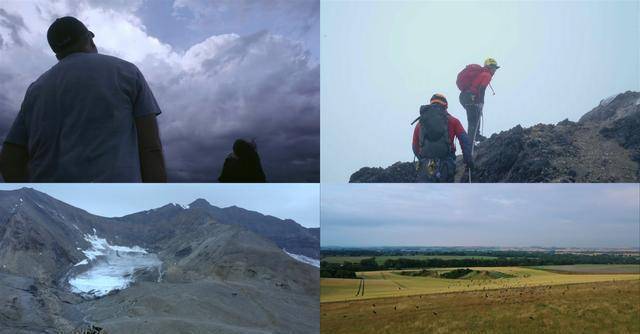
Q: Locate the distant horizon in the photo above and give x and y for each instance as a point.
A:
(546, 215)
(476, 246)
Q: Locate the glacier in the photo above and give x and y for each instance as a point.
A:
(110, 267)
(304, 259)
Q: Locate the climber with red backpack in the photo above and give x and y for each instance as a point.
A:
(433, 142)
(472, 82)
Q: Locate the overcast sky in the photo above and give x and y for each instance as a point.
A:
(382, 60)
(220, 70)
(563, 215)
(286, 201)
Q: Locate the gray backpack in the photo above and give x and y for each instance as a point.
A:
(434, 132)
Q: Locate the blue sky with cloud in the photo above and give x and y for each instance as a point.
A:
(220, 70)
(564, 215)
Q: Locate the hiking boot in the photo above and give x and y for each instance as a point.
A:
(480, 138)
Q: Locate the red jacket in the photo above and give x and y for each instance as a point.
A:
(480, 83)
(455, 130)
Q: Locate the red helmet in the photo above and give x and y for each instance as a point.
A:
(439, 98)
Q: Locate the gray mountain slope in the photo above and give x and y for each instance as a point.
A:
(285, 233)
(215, 277)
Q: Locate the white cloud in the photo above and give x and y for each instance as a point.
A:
(123, 35)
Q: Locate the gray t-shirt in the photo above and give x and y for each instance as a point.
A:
(77, 120)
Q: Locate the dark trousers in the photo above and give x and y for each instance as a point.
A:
(473, 114)
(441, 171)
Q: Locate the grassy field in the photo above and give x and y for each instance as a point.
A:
(600, 307)
(381, 259)
(378, 284)
(595, 268)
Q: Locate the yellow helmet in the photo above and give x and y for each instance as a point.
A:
(490, 62)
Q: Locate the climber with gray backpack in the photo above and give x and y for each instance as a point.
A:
(433, 142)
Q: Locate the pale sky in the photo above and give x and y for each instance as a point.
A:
(285, 201)
(381, 60)
(510, 215)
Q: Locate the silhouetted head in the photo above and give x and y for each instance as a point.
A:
(68, 35)
(243, 148)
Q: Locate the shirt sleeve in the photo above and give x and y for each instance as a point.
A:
(18, 134)
(145, 103)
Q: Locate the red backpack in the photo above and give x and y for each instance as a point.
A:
(467, 75)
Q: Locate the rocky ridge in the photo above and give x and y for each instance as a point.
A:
(602, 146)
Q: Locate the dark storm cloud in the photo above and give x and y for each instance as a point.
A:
(233, 94)
(258, 82)
(13, 23)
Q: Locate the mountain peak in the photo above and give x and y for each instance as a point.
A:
(614, 107)
(27, 194)
(170, 206)
(23, 190)
(200, 203)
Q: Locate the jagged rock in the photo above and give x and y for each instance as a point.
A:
(625, 132)
(603, 146)
(90, 330)
(396, 173)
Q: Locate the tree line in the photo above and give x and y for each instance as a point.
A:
(349, 269)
